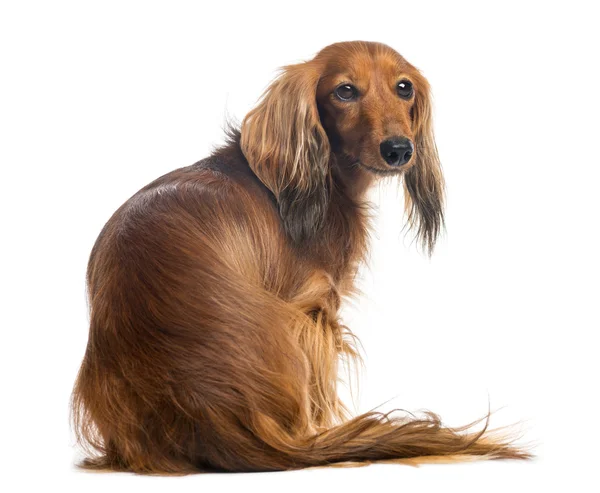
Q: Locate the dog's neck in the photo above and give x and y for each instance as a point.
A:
(352, 179)
(346, 223)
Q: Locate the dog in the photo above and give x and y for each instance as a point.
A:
(214, 291)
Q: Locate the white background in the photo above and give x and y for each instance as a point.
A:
(99, 98)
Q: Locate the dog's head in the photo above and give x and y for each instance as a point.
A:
(358, 110)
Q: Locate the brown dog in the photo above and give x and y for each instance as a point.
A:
(214, 291)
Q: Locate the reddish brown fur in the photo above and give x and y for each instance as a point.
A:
(214, 291)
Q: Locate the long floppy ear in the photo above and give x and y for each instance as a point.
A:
(288, 149)
(424, 182)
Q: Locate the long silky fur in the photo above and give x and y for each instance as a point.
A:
(424, 182)
(214, 292)
(285, 128)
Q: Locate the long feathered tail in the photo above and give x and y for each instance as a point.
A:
(371, 437)
(374, 437)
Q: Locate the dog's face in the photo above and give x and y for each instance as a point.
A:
(366, 97)
(356, 111)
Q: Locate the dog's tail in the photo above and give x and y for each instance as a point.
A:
(383, 437)
(368, 438)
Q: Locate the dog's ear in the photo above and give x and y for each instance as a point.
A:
(288, 149)
(424, 181)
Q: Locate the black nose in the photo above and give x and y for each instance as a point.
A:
(396, 151)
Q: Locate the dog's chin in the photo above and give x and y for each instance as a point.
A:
(389, 171)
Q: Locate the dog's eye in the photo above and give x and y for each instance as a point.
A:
(346, 92)
(404, 89)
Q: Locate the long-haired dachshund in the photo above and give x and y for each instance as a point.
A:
(214, 291)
